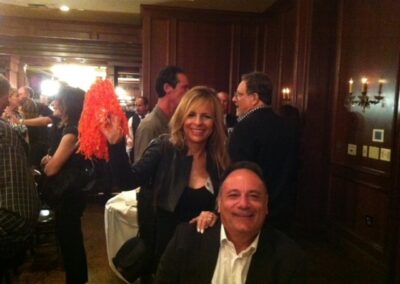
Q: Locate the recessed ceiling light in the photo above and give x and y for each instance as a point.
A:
(64, 8)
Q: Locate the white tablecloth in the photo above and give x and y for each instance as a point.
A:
(120, 218)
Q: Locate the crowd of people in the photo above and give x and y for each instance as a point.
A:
(215, 188)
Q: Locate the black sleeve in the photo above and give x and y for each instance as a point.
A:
(70, 129)
(141, 172)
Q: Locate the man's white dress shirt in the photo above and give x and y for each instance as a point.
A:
(232, 268)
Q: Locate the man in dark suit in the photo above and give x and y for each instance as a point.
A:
(263, 137)
(240, 249)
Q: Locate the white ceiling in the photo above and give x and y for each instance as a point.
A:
(123, 11)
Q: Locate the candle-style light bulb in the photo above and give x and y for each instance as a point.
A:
(381, 82)
(351, 86)
(364, 82)
(285, 93)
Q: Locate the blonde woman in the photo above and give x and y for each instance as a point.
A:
(179, 174)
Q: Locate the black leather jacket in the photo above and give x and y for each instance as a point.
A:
(163, 171)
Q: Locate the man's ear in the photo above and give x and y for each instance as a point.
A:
(256, 98)
(218, 205)
(167, 88)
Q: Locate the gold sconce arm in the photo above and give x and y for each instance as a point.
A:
(363, 100)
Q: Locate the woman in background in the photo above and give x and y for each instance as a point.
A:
(62, 156)
(179, 174)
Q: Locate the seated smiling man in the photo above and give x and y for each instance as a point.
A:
(242, 248)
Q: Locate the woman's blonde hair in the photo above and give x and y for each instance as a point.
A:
(216, 144)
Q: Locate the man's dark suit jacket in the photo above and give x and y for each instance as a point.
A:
(230, 120)
(270, 141)
(191, 258)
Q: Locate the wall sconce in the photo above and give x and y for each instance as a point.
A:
(363, 100)
(286, 99)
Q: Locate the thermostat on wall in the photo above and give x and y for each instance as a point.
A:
(378, 135)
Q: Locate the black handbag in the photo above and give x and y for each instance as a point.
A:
(54, 189)
(132, 259)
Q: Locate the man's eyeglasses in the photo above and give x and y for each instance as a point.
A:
(238, 95)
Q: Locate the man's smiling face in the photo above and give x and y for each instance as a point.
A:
(243, 203)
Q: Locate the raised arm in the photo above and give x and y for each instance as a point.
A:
(141, 172)
(37, 121)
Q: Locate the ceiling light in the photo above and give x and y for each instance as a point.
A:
(49, 87)
(122, 79)
(64, 8)
(75, 75)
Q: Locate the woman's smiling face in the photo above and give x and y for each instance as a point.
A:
(199, 123)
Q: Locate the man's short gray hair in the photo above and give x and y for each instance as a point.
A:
(4, 86)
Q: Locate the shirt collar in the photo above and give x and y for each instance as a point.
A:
(248, 251)
(161, 115)
(240, 118)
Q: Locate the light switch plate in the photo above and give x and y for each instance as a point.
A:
(385, 154)
(373, 152)
(365, 151)
(378, 135)
(352, 149)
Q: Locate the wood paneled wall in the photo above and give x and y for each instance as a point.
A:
(213, 47)
(312, 47)
(362, 190)
(299, 54)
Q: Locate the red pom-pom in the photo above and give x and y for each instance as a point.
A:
(100, 104)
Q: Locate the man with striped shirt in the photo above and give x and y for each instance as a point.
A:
(19, 202)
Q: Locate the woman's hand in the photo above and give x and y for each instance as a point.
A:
(45, 160)
(205, 220)
(111, 129)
